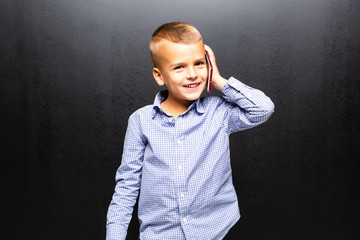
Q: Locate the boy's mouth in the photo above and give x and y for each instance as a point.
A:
(193, 85)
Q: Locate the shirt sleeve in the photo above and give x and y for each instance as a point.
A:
(128, 181)
(247, 107)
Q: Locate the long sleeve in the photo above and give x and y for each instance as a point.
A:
(128, 182)
(248, 107)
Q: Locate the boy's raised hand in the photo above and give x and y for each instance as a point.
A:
(217, 81)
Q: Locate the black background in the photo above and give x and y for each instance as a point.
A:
(72, 72)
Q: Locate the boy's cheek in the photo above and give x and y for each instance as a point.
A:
(178, 75)
(204, 73)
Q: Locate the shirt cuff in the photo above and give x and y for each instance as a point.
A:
(113, 233)
(233, 88)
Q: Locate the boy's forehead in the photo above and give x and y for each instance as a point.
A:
(166, 48)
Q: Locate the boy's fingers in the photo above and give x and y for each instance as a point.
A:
(207, 48)
(212, 57)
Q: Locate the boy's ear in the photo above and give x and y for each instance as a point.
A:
(158, 77)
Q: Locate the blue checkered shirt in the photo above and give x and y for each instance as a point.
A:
(181, 167)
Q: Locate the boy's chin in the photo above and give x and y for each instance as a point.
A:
(194, 96)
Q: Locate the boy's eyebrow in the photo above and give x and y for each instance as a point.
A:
(182, 63)
(176, 64)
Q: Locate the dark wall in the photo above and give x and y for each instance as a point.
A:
(72, 72)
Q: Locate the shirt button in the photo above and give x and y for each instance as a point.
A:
(178, 141)
(184, 220)
(182, 195)
(190, 111)
(170, 120)
(180, 167)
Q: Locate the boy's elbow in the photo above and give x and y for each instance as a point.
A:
(268, 108)
(271, 106)
(265, 105)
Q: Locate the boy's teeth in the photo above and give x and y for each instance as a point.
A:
(192, 85)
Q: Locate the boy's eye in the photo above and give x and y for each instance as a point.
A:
(199, 63)
(177, 67)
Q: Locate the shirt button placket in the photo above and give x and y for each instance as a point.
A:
(180, 171)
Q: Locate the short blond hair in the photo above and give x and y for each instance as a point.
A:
(177, 32)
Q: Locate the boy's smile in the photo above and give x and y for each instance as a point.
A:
(182, 69)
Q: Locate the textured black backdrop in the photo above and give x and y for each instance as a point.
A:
(72, 72)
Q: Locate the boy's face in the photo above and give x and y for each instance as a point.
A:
(182, 69)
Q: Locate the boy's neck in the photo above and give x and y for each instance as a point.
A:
(175, 108)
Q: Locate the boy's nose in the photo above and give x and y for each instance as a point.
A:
(191, 73)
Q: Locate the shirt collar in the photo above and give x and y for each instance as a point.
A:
(162, 95)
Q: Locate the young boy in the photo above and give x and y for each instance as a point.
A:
(176, 151)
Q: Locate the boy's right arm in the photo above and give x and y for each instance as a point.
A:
(128, 182)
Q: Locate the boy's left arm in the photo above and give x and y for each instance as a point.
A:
(247, 108)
